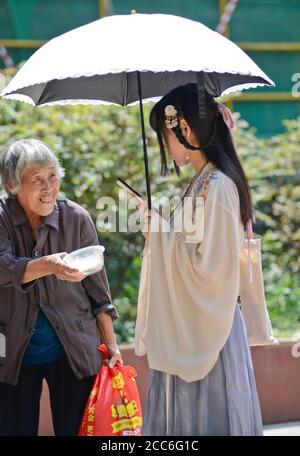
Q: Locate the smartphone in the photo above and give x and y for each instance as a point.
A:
(129, 189)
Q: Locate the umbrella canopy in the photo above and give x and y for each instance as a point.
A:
(124, 59)
(98, 62)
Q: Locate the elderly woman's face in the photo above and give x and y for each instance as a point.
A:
(39, 190)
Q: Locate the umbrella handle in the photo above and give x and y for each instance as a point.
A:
(144, 140)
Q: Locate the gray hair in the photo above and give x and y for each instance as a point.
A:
(19, 156)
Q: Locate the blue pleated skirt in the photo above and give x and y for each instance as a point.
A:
(225, 402)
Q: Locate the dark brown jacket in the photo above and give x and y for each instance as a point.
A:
(70, 307)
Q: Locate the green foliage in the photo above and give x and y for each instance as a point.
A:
(96, 144)
(273, 167)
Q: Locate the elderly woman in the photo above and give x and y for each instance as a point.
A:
(52, 316)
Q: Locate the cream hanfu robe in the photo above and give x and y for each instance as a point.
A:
(187, 310)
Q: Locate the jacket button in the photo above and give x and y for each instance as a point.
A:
(42, 304)
(32, 330)
(36, 253)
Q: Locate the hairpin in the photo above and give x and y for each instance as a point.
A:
(171, 120)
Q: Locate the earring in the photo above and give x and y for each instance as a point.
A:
(187, 157)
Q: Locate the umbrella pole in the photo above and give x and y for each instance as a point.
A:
(144, 140)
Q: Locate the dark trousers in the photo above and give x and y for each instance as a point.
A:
(20, 405)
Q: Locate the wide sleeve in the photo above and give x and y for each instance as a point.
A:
(193, 287)
(96, 285)
(12, 268)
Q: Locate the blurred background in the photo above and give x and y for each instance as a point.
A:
(96, 144)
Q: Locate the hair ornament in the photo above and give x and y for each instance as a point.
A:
(171, 120)
(227, 115)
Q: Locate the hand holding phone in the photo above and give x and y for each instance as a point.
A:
(143, 207)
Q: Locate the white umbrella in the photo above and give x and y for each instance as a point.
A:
(124, 59)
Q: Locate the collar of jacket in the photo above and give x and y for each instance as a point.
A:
(19, 217)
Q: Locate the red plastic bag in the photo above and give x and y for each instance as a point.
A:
(113, 407)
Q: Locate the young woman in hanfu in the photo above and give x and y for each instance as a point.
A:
(189, 323)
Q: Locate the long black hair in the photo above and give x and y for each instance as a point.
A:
(213, 135)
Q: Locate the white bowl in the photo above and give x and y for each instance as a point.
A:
(88, 260)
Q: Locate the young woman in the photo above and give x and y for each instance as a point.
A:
(189, 323)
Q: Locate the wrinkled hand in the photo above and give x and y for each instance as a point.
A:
(114, 355)
(62, 270)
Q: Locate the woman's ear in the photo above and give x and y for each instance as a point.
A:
(188, 133)
(10, 188)
(185, 128)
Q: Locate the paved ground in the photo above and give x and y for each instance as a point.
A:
(291, 428)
